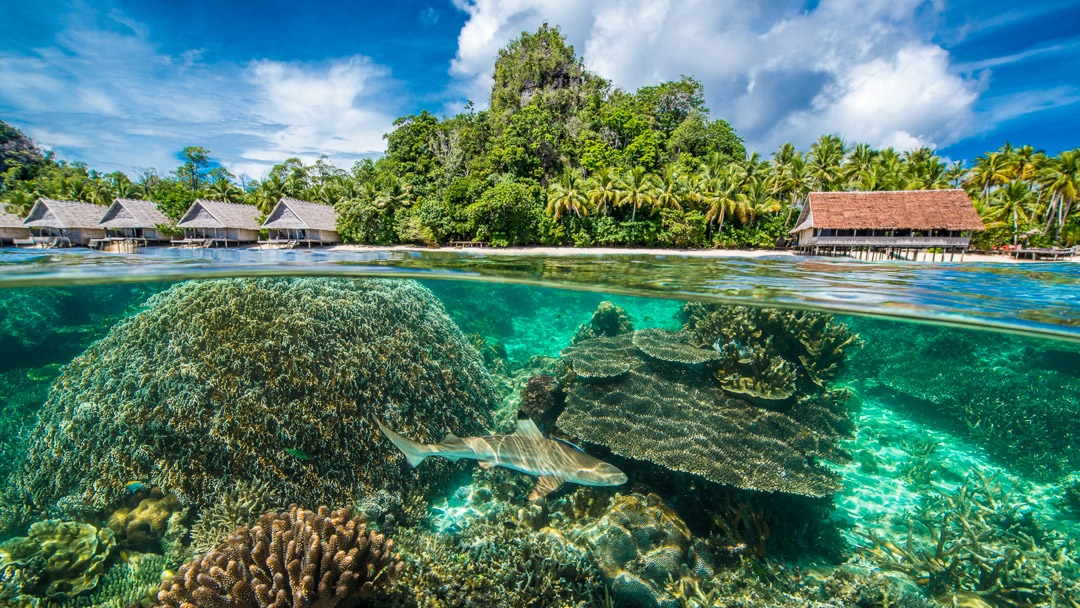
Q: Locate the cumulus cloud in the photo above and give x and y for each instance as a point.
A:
(110, 95)
(866, 70)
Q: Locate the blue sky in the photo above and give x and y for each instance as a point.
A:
(125, 84)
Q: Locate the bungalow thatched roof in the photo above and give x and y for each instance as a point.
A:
(49, 213)
(215, 214)
(902, 209)
(297, 214)
(131, 213)
(10, 220)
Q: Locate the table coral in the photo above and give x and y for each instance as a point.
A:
(274, 381)
(292, 559)
(678, 417)
(57, 559)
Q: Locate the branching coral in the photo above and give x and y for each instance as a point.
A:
(289, 560)
(812, 344)
(982, 541)
(677, 417)
(57, 559)
(240, 507)
(273, 381)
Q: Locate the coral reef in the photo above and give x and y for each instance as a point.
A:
(143, 527)
(57, 559)
(273, 381)
(240, 507)
(133, 581)
(811, 344)
(676, 416)
(607, 321)
(639, 544)
(296, 558)
(979, 384)
(984, 543)
(542, 401)
(495, 563)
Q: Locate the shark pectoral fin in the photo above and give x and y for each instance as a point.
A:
(545, 485)
(486, 465)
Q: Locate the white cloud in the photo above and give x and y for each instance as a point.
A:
(112, 97)
(864, 69)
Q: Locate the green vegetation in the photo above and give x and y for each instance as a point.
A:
(564, 158)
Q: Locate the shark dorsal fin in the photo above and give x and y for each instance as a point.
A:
(450, 438)
(561, 440)
(527, 428)
(545, 484)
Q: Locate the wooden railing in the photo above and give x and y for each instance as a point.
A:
(885, 241)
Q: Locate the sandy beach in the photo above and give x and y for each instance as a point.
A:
(688, 253)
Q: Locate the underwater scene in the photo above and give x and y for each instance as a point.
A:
(338, 441)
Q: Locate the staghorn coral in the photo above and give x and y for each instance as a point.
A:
(239, 508)
(813, 343)
(983, 543)
(638, 544)
(293, 559)
(678, 418)
(271, 380)
(607, 321)
(57, 559)
(143, 527)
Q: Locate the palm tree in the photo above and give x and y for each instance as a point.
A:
(825, 158)
(19, 202)
(567, 194)
(636, 188)
(956, 173)
(393, 193)
(1013, 200)
(671, 191)
(858, 164)
(222, 189)
(792, 181)
(1060, 177)
(990, 170)
(759, 200)
(725, 200)
(603, 190)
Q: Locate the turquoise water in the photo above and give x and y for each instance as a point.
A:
(793, 432)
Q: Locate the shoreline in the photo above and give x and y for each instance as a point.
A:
(660, 252)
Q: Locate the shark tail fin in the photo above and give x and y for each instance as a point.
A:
(415, 453)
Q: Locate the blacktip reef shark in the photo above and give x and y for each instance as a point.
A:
(527, 450)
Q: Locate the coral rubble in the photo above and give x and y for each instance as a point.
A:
(670, 411)
(273, 381)
(57, 559)
(292, 559)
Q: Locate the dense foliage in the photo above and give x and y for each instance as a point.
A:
(563, 158)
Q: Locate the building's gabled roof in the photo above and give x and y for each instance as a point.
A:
(215, 214)
(131, 213)
(10, 220)
(48, 213)
(901, 209)
(297, 214)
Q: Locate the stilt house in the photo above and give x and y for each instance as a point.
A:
(212, 223)
(63, 223)
(133, 221)
(886, 224)
(294, 222)
(12, 229)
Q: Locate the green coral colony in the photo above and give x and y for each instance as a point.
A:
(214, 443)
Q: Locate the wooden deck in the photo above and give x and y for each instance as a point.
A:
(1053, 254)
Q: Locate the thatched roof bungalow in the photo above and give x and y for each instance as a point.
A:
(130, 219)
(63, 223)
(886, 221)
(210, 223)
(11, 228)
(293, 222)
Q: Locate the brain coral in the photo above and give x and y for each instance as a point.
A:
(272, 381)
(289, 560)
(677, 416)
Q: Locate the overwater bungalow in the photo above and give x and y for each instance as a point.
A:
(62, 224)
(129, 223)
(212, 223)
(898, 224)
(294, 222)
(11, 228)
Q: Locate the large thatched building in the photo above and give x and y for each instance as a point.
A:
(134, 221)
(893, 224)
(63, 223)
(211, 223)
(12, 229)
(295, 222)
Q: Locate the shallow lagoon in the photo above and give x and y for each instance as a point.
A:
(876, 435)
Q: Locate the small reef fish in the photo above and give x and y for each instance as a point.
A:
(301, 454)
(134, 486)
(744, 351)
(527, 451)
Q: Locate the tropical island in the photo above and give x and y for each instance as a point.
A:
(563, 158)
